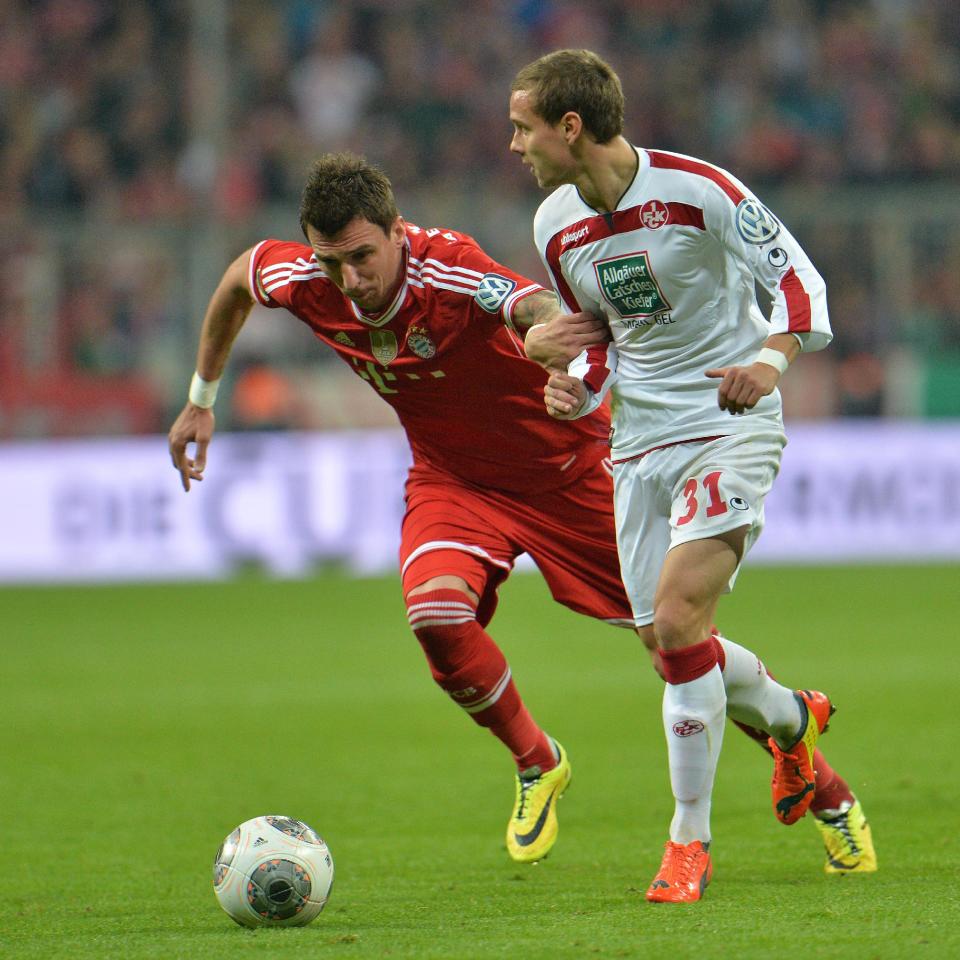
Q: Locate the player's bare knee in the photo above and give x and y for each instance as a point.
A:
(677, 622)
(648, 636)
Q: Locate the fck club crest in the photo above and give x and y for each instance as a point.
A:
(687, 728)
(654, 214)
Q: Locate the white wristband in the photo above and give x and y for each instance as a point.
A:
(773, 358)
(203, 393)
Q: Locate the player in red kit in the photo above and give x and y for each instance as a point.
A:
(431, 322)
(436, 327)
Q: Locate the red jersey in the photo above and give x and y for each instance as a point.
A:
(446, 357)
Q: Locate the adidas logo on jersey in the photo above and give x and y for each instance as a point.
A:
(344, 338)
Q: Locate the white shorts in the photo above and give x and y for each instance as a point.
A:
(688, 491)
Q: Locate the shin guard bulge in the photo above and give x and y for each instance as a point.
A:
(693, 719)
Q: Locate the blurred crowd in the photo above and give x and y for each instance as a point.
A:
(139, 138)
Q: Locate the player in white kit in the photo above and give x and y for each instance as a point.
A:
(667, 249)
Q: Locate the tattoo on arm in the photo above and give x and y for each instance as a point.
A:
(539, 307)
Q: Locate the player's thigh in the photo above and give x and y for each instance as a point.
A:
(688, 492)
(694, 575)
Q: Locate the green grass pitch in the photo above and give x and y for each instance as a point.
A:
(141, 724)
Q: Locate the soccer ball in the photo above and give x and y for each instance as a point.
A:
(273, 871)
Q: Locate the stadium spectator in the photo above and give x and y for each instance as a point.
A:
(98, 120)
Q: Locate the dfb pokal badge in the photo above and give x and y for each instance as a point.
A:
(493, 290)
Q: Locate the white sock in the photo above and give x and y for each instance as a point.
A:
(755, 698)
(693, 720)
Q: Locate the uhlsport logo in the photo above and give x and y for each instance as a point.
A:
(687, 728)
(755, 223)
(629, 286)
(777, 257)
(654, 214)
(493, 290)
(572, 236)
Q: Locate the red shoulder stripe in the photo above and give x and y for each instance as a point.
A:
(667, 161)
(598, 227)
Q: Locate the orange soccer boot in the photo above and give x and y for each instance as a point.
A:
(684, 873)
(794, 780)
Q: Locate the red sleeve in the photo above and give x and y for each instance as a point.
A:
(277, 267)
(496, 288)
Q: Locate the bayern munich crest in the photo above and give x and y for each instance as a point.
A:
(420, 343)
(755, 223)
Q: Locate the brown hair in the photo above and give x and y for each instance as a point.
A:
(577, 81)
(342, 187)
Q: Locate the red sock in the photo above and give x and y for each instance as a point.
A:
(718, 646)
(832, 789)
(472, 669)
(755, 734)
(689, 663)
(523, 729)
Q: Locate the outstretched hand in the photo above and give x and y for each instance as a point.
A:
(742, 387)
(194, 425)
(553, 345)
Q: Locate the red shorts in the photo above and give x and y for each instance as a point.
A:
(454, 529)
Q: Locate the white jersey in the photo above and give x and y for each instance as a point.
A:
(672, 270)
